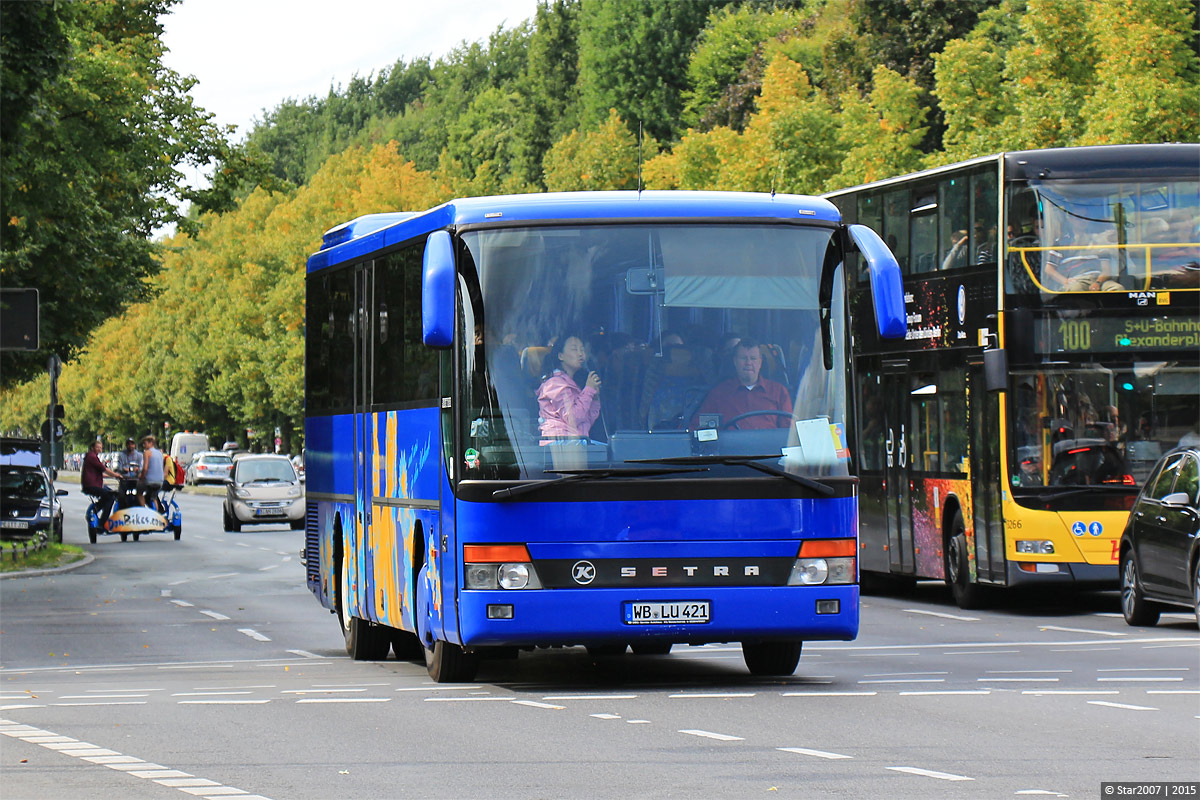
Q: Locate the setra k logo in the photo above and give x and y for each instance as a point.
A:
(584, 572)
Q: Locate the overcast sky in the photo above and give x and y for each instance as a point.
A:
(249, 55)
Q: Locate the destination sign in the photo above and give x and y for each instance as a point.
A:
(1096, 334)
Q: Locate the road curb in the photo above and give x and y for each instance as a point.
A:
(31, 573)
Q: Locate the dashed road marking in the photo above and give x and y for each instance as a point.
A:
(1080, 630)
(535, 704)
(720, 737)
(214, 615)
(928, 773)
(1120, 705)
(941, 614)
(804, 751)
(253, 634)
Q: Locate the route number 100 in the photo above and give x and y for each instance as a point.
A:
(1076, 334)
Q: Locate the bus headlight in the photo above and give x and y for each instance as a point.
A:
(485, 570)
(1043, 546)
(822, 571)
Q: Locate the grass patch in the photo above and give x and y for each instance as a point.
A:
(49, 557)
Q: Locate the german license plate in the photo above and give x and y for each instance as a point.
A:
(268, 512)
(19, 524)
(674, 613)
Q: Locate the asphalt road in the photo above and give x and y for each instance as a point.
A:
(203, 668)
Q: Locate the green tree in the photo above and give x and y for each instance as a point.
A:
(633, 57)
(881, 133)
(606, 158)
(91, 169)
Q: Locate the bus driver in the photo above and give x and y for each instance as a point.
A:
(748, 391)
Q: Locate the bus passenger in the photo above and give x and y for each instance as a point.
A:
(748, 391)
(564, 409)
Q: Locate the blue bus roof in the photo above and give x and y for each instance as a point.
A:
(355, 239)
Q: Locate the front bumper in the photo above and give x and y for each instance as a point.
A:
(250, 512)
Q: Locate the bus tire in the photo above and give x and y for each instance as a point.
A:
(446, 662)
(1136, 609)
(651, 648)
(771, 658)
(406, 646)
(967, 595)
(365, 641)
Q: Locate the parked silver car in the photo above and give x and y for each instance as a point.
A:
(209, 467)
(263, 489)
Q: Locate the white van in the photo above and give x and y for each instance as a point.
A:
(186, 444)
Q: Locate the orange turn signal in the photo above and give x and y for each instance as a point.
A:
(827, 548)
(495, 553)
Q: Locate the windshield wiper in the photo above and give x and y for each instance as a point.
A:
(753, 462)
(572, 475)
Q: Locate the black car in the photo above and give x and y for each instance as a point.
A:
(1160, 548)
(28, 501)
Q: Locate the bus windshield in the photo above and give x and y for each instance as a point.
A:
(705, 340)
(1077, 236)
(1092, 425)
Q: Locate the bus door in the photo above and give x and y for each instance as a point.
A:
(363, 445)
(895, 391)
(984, 425)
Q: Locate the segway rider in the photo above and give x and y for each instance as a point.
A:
(91, 480)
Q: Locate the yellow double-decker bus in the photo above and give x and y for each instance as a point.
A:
(1053, 304)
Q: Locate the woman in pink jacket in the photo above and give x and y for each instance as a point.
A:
(564, 409)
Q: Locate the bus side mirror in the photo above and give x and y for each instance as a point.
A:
(995, 370)
(437, 290)
(887, 288)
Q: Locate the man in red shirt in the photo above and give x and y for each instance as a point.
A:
(748, 391)
(91, 480)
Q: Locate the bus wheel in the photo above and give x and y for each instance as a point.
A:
(958, 573)
(365, 641)
(407, 646)
(449, 663)
(651, 648)
(1134, 605)
(771, 658)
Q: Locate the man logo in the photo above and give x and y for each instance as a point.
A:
(584, 572)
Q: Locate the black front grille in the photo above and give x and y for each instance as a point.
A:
(312, 544)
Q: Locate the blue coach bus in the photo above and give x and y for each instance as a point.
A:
(602, 419)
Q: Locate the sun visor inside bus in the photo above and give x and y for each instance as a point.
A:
(771, 270)
(437, 290)
(887, 288)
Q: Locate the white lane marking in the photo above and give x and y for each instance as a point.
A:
(1173, 691)
(222, 575)
(253, 634)
(345, 700)
(941, 614)
(720, 737)
(901, 674)
(804, 751)
(1138, 680)
(323, 690)
(709, 695)
(270, 567)
(107, 703)
(218, 692)
(605, 716)
(303, 654)
(1016, 680)
(43, 739)
(177, 583)
(535, 704)
(223, 702)
(638, 721)
(907, 680)
(590, 697)
(1082, 649)
(1120, 705)
(287, 559)
(107, 760)
(179, 783)
(163, 773)
(1041, 692)
(214, 615)
(946, 692)
(243, 544)
(1042, 791)
(349, 685)
(100, 696)
(1025, 671)
(90, 751)
(830, 694)
(842, 650)
(980, 652)
(465, 699)
(225, 689)
(928, 773)
(183, 603)
(1080, 630)
(1146, 669)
